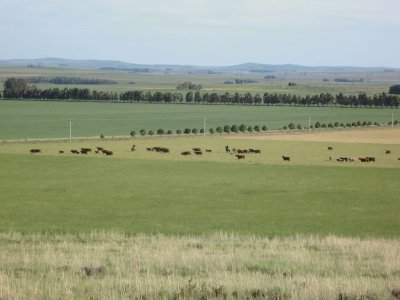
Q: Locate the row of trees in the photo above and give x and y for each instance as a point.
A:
(337, 125)
(69, 80)
(16, 88)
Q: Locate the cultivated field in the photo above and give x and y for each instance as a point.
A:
(50, 119)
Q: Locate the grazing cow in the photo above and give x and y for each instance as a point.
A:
(344, 158)
(371, 158)
(240, 156)
(107, 152)
(133, 148)
(208, 150)
(100, 148)
(86, 149)
(196, 149)
(387, 152)
(363, 159)
(60, 152)
(227, 150)
(35, 151)
(165, 150)
(74, 151)
(96, 151)
(256, 151)
(352, 159)
(198, 152)
(149, 149)
(286, 158)
(339, 159)
(330, 148)
(184, 153)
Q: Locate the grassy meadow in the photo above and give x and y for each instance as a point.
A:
(49, 119)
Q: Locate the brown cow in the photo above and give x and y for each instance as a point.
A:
(330, 148)
(61, 152)
(286, 158)
(198, 152)
(208, 150)
(35, 151)
(371, 158)
(74, 151)
(196, 149)
(240, 156)
(108, 152)
(363, 159)
(184, 153)
(388, 151)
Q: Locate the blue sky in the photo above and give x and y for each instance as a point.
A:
(207, 32)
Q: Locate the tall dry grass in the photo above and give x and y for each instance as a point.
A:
(219, 266)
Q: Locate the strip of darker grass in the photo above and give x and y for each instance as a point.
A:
(73, 194)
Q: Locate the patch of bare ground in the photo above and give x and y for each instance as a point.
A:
(365, 135)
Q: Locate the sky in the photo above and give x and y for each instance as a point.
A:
(205, 32)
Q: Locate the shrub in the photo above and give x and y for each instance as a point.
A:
(264, 128)
(257, 128)
(242, 127)
(348, 125)
(132, 133)
(317, 125)
(323, 125)
(178, 131)
(142, 132)
(160, 131)
(151, 132)
(369, 123)
(250, 129)
(396, 122)
(358, 123)
(342, 125)
(227, 128)
(336, 124)
(186, 131)
(311, 126)
(291, 126)
(211, 130)
(330, 125)
(195, 131)
(299, 127)
(354, 124)
(219, 129)
(201, 130)
(284, 128)
(102, 136)
(364, 123)
(169, 131)
(234, 128)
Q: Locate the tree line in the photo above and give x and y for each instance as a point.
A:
(17, 88)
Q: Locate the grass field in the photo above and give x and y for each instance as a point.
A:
(37, 119)
(150, 192)
(218, 266)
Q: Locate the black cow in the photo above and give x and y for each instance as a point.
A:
(286, 158)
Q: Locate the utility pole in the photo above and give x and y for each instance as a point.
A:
(70, 131)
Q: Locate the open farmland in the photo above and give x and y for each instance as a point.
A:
(141, 224)
(49, 119)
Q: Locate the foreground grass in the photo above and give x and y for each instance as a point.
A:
(75, 194)
(218, 266)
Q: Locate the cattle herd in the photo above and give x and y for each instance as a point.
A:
(240, 154)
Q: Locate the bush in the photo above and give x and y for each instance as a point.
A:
(234, 128)
(169, 131)
(369, 123)
(348, 125)
(242, 127)
(195, 131)
(219, 129)
(102, 136)
(311, 126)
(211, 130)
(336, 124)
(299, 127)
(264, 128)
(317, 125)
(284, 127)
(323, 125)
(396, 122)
(178, 131)
(354, 124)
(359, 123)
(291, 126)
(330, 125)
(186, 131)
(160, 131)
(364, 123)
(151, 132)
(132, 133)
(227, 128)
(257, 128)
(250, 129)
(142, 132)
(342, 125)
(201, 130)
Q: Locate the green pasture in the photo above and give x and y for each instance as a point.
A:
(49, 119)
(310, 83)
(150, 192)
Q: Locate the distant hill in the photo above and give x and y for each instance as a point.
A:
(114, 65)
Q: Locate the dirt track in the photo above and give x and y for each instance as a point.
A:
(370, 136)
